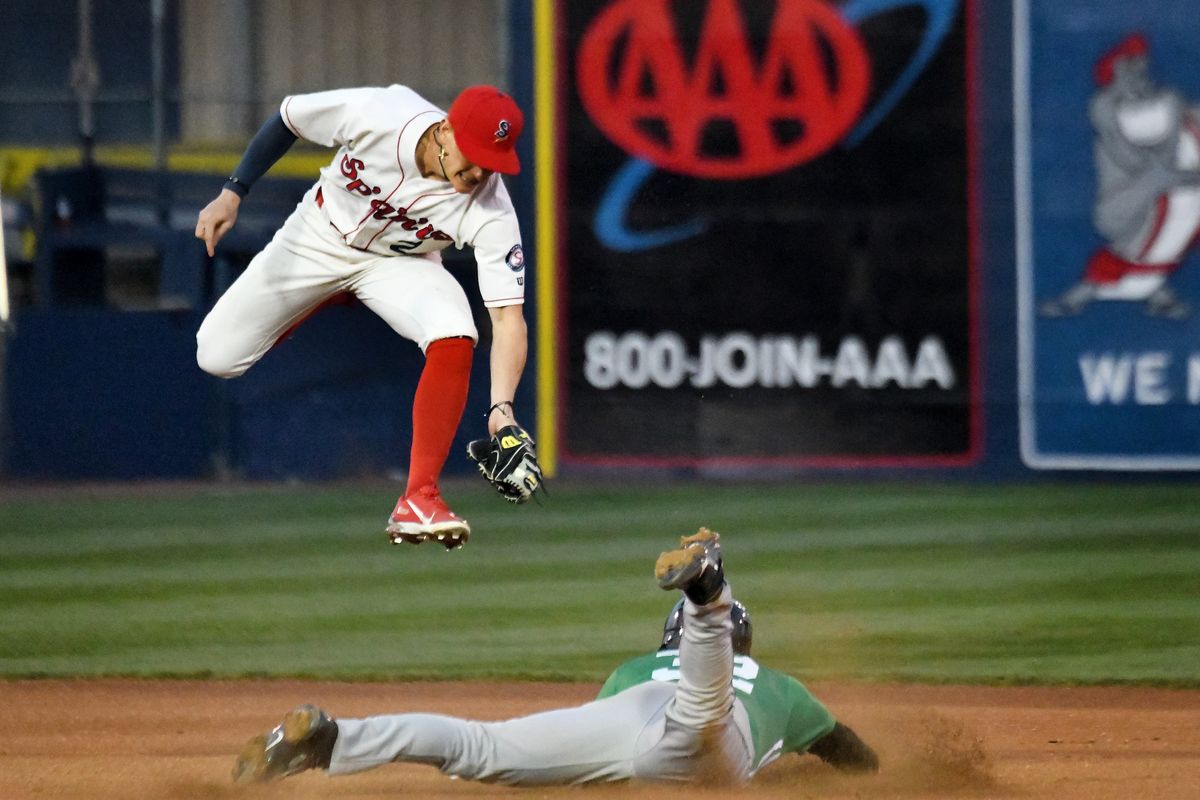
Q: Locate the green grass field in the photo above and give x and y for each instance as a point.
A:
(1063, 584)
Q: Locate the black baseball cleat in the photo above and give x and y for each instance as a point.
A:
(842, 749)
(695, 568)
(304, 740)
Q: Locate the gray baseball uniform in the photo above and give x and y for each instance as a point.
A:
(689, 715)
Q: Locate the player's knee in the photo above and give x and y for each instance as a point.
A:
(216, 360)
(216, 367)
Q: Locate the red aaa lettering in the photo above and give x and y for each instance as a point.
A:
(636, 85)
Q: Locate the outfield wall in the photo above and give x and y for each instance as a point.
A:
(817, 240)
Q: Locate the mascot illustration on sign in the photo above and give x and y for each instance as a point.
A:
(1147, 153)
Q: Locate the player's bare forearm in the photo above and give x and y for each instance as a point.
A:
(510, 345)
(508, 460)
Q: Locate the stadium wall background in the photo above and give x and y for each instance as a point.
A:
(104, 392)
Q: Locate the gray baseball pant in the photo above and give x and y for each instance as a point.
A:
(652, 731)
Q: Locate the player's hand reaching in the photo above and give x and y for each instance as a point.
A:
(217, 218)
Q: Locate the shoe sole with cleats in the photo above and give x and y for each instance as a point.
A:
(450, 533)
(450, 536)
(253, 763)
(675, 569)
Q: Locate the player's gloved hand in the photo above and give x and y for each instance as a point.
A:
(509, 463)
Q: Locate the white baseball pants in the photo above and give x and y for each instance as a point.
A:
(305, 264)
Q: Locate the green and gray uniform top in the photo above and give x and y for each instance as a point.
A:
(784, 716)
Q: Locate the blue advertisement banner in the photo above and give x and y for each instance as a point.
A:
(1107, 159)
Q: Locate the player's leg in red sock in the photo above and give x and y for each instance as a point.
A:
(438, 408)
(421, 514)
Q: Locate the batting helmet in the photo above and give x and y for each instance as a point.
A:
(743, 630)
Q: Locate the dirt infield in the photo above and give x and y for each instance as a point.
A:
(100, 740)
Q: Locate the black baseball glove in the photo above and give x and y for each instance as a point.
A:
(509, 463)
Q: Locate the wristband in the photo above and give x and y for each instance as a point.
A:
(237, 186)
(508, 403)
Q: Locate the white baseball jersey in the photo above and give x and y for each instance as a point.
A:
(375, 198)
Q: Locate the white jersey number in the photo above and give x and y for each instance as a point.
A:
(745, 670)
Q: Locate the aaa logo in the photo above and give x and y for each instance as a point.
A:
(732, 112)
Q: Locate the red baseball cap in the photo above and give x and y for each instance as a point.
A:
(1132, 45)
(486, 125)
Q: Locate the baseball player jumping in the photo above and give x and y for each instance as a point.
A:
(407, 181)
(699, 708)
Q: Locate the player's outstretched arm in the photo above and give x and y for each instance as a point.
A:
(273, 139)
(508, 460)
(510, 346)
(844, 750)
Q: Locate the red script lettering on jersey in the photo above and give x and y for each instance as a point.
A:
(350, 168)
(385, 210)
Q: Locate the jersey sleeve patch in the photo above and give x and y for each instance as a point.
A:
(515, 258)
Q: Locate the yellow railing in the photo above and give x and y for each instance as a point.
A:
(18, 162)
